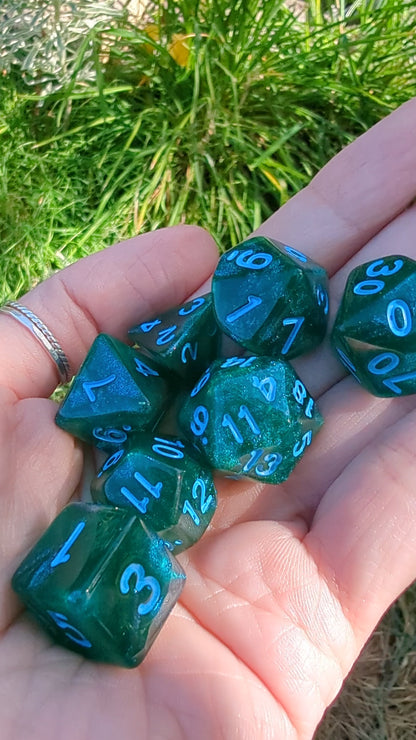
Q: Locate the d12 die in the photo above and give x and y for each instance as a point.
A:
(100, 583)
(252, 417)
(115, 392)
(271, 298)
(160, 479)
(374, 333)
(184, 339)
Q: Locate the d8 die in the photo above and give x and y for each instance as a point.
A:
(100, 583)
(251, 417)
(159, 478)
(271, 298)
(115, 392)
(374, 333)
(184, 339)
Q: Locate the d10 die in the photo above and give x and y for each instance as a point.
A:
(374, 334)
(116, 391)
(184, 339)
(100, 583)
(271, 298)
(160, 479)
(252, 417)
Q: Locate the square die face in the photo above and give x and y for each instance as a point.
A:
(100, 582)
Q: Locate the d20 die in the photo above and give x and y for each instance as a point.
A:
(101, 583)
(116, 391)
(160, 479)
(374, 333)
(251, 417)
(184, 339)
(271, 298)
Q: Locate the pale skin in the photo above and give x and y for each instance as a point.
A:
(287, 585)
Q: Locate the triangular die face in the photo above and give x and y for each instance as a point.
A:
(104, 384)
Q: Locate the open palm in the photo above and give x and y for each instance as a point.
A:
(290, 580)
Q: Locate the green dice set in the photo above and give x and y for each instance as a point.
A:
(104, 576)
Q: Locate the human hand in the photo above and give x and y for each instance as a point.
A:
(290, 580)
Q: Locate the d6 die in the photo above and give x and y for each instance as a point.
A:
(100, 583)
(374, 333)
(160, 479)
(251, 417)
(271, 298)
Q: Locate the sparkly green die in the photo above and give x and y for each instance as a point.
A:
(117, 391)
(101, 583)
(160, 479)
(251, 417)
(374, 332)
(184, 339)
(271, 298)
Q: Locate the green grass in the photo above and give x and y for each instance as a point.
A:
(378, 701)
(109, 136)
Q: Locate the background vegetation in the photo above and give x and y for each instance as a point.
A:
(212, 112)
(120, 117)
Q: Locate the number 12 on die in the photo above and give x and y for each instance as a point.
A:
(198, 491)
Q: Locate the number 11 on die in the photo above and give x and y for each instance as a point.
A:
(243, 413)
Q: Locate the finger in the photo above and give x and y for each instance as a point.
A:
(105, 292)
(351, 198)
(363, 535)
(345, 207)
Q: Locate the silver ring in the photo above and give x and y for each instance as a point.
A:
(32, 322)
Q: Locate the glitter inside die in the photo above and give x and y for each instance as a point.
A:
(104, 577)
